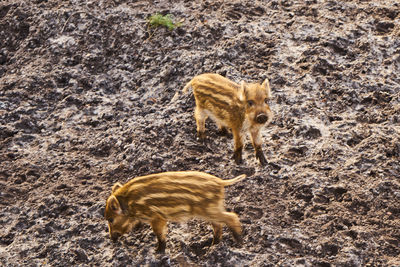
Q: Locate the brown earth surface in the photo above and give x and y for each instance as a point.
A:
(85, 88)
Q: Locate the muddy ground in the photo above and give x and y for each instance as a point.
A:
(84, 102)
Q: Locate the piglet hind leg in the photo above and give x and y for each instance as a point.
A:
(233, 223)
(200, 117)
(159, 227)
(231, 220)
(217, 228)
(237, 154)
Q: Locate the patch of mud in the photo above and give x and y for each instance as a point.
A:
(84, 103)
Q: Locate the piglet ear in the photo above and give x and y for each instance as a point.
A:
(114, 204)
(242, 91)
(116, 186)
(265, 84)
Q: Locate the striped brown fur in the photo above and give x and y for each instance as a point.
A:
(170, 196)
(237, 107)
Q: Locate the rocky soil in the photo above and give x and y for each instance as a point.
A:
(85, 88)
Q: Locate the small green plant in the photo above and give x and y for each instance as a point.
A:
(158, 20)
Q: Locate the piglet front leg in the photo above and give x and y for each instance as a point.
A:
(257, 144)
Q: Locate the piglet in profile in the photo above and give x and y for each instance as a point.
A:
(170, 196)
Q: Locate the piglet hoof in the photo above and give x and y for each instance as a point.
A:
(215, 241)
(239, 161)
(160, 249)
(238, 239)
(263, 162)
(261, 158)
(238, 157)
(201, 137)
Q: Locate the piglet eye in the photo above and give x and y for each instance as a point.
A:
(250, 103)
(111, 220)
(266, 100)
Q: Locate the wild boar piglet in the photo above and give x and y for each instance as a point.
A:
(241, 108)
(170, 196)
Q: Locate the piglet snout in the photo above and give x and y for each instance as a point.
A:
(261, 118)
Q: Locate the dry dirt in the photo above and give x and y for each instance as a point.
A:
(84, 102)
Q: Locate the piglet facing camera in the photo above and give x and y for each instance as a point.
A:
(240, 108)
